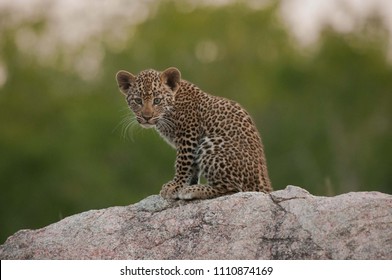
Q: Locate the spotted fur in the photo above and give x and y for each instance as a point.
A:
(214, 137)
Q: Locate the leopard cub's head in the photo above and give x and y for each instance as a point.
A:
(150, 94)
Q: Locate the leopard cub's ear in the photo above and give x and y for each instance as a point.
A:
(171, 77)
(124, 81)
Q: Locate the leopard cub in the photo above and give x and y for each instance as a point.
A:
(213, 136)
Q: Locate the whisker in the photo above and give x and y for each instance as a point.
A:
(127, 124)
(166, 126)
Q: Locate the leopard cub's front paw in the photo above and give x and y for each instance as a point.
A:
(186, 194)
(170, 190)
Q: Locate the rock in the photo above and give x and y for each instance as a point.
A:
(286, 224)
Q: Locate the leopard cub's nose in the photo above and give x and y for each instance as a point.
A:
(147, 117)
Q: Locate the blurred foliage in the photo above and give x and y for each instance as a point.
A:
(324, 113)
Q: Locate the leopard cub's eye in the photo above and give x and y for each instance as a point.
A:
(138, 101)
(157, 101)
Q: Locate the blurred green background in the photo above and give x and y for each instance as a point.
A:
(324, 109)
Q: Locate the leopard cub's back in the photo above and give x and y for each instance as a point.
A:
(214, 137)
(229, 134)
